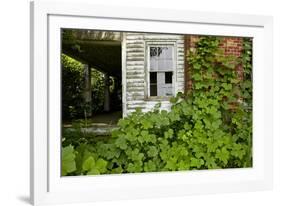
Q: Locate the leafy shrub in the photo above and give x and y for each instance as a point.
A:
(208, 129)
(98, 85)
(72, 88)
(73, 84)
(68, 160)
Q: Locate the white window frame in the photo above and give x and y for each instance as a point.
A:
(161, 43)
(47, 186)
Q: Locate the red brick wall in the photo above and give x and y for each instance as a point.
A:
(230, 45)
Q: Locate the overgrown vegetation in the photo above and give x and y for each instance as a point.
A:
(209, 128)
(98, 85)
(73, 84)
(72, 88)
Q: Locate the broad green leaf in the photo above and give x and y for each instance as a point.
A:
(146, 124)
(171, 164)
(149, 166)
(101, 165)
(93, 171)
(211, 162)
(183, 165)
(152, 152)
(196, 162)
(121, 143)
(88, 164)
(223, 155)
(227, 86)
(68, 160)
(197, 77)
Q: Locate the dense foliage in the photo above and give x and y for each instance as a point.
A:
(73, 84)
(98, 85)
(209, 128)
(72, 88)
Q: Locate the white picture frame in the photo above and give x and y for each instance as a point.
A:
(47, 186)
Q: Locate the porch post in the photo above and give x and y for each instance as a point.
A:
(88, 90)
(106, 93)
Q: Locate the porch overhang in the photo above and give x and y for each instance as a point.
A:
(103, 55)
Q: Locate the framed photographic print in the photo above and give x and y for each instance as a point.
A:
(126, 105)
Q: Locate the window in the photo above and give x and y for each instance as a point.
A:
(153, 83)
(161, 68)
(168, 77)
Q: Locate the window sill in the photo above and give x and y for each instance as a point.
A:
(159, 98)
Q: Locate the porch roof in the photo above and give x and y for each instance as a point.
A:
(103, 55)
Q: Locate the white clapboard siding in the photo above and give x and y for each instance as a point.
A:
(135, 66)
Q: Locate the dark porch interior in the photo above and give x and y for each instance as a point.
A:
(98, 51)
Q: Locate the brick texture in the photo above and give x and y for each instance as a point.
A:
(230, 46)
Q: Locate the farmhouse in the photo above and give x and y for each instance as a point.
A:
(139, 69)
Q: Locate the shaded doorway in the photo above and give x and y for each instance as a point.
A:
(91, 79)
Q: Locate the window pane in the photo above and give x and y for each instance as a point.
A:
(153, 77)
(153, 89)
(165, 52)
(168, 77)
(161, 58)
(153, 83)
(164, 65)
(153, 52)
